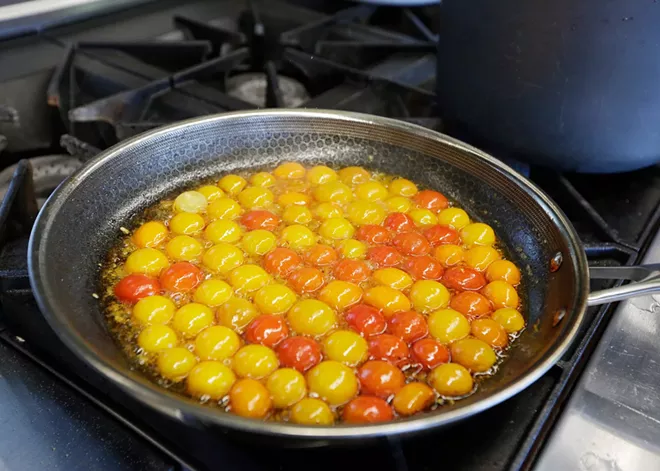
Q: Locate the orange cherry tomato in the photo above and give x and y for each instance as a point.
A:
(384, 256)
(389, 347)
(268, 330)
(373, 234)
(429, 199)
(181, 277)
(471, 304)
(321, 255)
(463, 279)
(306, 280)
(408, 326)
(440, 235)
(367, 410)
(380, 378)
(429, 353)
(300, 353)
(354, 271)
(281, 261)
(366, 320)
(399, 222)
(260, 220)
(411, 243)
(423, 268)
(134, 287)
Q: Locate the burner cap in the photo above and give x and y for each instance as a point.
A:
(251, 87)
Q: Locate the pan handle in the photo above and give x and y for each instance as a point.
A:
(646, 280)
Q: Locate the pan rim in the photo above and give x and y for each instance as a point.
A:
(178, 407)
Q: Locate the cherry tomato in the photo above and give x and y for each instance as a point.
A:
(365, 319)
(380, 378)
(321, 255)
(423, 268)
(408, 326)
(389, 347)
(432, 200)
(411, 243)
(260, 220)
(268, 330)
(354, 271)
(181, 277)
(463, 279)
(281, 261)
(441, 235)
(373, 234)
(430, 353)
(399, 222)
(471, 304)
(366, 410)
(384, 256)
(134, 287)
(300, 353)
(306, 279)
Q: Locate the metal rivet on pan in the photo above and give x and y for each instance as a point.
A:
(556, 261)
(557, 318)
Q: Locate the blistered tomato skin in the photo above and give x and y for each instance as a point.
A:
(389, 347)
(367, 410)
(300, 353)
(408, 326)
(281, 261)
(384, 256)
(268, 330)
(373, 234)
(399, 222)
(411, 243)
(354, 271)
(321, 255)
(134, 287)
(181, 277)
(366, 320)
(471, 304)
(306, 280)
(423, 268)
(463, 279)
(429, 353)
(441, 235)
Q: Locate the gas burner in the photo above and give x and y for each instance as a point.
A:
(252, 88)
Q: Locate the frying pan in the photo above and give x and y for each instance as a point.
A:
(81, 221)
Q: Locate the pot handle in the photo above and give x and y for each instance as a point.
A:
(646, 280)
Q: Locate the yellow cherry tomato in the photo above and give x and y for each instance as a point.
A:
(223, 257)
(256, 197)
(321, 174)
(365, 212)
(259, 242)
(345, 346)
(333, 382)
(250, 398)
(148, 261)
(478, 233)
(503, 270)
(232, 184)
(310, 411)
(262, 179)
(286, 386)
(223, 230)
(224, 208)
(248, 278)
(399, 204)
(490, 331)
(211, 192)
(447, 325)
(187, 224)
(157, 337)
(190, 319)
(353, 249)
(296, 215)
(210, 379)
(190, 202)
(510, 319)
(423, 217)
(255, 361)
(474, 354)
(333, 192)
(184, 248)
(480, 257)
(371, 191)
(328, 210)
(429, 295)
(449, 255)
(354, 175)
(237, 313)
(388, 300)
(455, 218)
(340, 294)
(212, 293)
(154, 310)
(217, 343)
(501, 294)
(289, 171)
(311, 317)
(451, 380)
(175, 363)
(298, 237)
(403, 187)
(150, 234)
(336, 229)
(275, 299)
(413, 398)
(393, 277)
(293, 198)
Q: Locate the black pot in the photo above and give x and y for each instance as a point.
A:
(570, 84)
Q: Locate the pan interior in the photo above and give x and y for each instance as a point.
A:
(82, 220)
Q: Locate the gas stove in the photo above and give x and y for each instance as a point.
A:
(96, 82)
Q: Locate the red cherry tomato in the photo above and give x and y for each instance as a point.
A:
(134, 287)
(423, 268)
(268, 330)
(373, 234)
(300, 353)
(321, 255)
(384, 256)
(181, 277)
(306, 279)
(440, 235)
(380, 378)
(281, 261)
(463, 279)
(389, 347)
(366, 320)
(354, 271)
(408, 326)
(367, 410)
(260, 220)
(411, 243)
(399, 222)
(471, 304)
(429, 353)
(432, 200)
